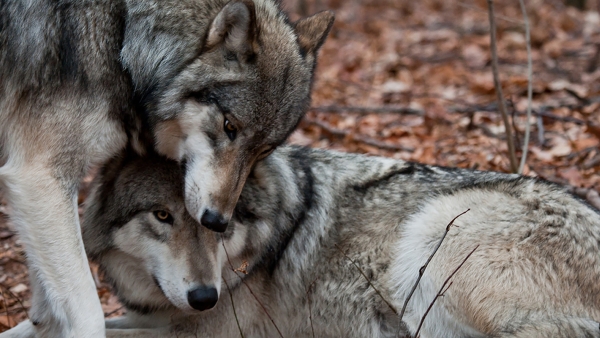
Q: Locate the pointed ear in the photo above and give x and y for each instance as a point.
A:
(313, 30)
(234, 27)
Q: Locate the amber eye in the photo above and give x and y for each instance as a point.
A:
(230, 129)
(163, 216)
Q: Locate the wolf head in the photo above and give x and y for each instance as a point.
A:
(137, 225)
(222, 83)
(154, 252)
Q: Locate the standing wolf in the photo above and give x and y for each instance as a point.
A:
(306, 220)
(214, 84)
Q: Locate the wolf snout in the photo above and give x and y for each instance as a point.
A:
(214, 221)
(203, 298)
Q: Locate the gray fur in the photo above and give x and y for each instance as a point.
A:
(82, 80)
(535, 273)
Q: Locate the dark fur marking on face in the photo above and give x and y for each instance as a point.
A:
(300, 217)
(67, 46)
(409, 169)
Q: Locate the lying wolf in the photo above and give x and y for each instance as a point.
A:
(308, 220)
(214, 84)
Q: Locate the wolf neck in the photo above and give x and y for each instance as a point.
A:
(287, 195)
(300, 191)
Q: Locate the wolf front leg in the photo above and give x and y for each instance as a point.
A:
(44, 212)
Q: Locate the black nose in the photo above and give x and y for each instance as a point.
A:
(214, 221)
(203, 298)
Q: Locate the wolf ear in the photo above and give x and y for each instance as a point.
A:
(313, 30)
(234, 26)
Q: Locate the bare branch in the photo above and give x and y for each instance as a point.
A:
(442, 290)
(368, 110)
(5, 308)
(249, 289)
(543, 112)
(106, 314)
(529, 88)
(368, 280)
(501, 104)
(540, 130)
(237, 321)
(358, 138)
(422, 269)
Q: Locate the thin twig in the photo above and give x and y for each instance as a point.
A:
(540, 130)
(249, 289)
(501, 104)
(233, 307)
(422, 269)
(6, 308)
(358, 138)
(529, 88)
(442, 291)
(368, 280)
(368, 110)
(106, 314)
(15, 297)
(513, 111)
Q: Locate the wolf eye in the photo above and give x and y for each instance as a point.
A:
(163, 216)
(230, 129)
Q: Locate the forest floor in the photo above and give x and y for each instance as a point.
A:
(412, 80)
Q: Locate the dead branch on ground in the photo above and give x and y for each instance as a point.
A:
(542, 112)
(368, 110)
(422, 269)
(443, 290)
(501, 104)
(23, 308)
(358, 138)
(5, 308)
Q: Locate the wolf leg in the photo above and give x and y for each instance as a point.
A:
(44, 211)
